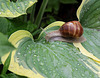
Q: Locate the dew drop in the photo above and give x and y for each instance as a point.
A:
(34, 62)
(53, 45)
(43, 41)
(78, 64)
(13, 12)
(35, 55)
(76, 68)
(82, 74)
(18, 53)
(24, 54)
(1, 9)
(44, 50)
(33, 51)
(29, 51)
(46, 73)
(17, 61)
(57, 43)
(25, 4)
(28, 45)
(42, 68)
(38, 59)
(54, 71)
(18, 7)
(61, 48)
(17, 58)
(49, 72)
(44, 58)
(41, 63)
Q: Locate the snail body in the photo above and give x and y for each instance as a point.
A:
(68, 32)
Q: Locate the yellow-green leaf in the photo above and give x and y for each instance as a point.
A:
(14, 9)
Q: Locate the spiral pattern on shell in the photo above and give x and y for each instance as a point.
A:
(71, 29)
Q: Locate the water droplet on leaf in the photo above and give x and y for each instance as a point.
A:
(24, 54)
(41, 63)
(18, 7)
(35, 55)
(18, 53)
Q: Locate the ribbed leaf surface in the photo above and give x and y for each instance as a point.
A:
(14, 9)
(89, 15)
(53, 60)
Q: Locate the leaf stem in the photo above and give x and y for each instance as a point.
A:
(6, 64)
(41, 12)
(32, 13)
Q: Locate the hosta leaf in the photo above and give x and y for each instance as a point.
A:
(50, 59)
(5, 45)
(14, 9)
(89, 13)
(15, 39)
(87, 34)
(8, 26)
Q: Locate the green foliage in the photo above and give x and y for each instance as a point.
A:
(5, 25)
(6, 64)
(54, 5)
(5, 45)
(50, 59)
(11, 75)
(68, 1)
(53, 59)
(92, 44)
(13, 0)
(31, 27)
(14, 9)
(9, 26)
(90, 14)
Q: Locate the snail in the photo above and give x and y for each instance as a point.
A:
(69, 32)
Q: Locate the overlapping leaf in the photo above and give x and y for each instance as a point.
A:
(14, 9)
(89, 13)
(5, 45)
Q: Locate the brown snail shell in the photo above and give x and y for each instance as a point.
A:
(68, 32)
(71, 29)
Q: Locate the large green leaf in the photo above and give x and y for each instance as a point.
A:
(14, 9)
(53, 60)
(8, 26)
(38, 59)
(5, 45)
(89, 13)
